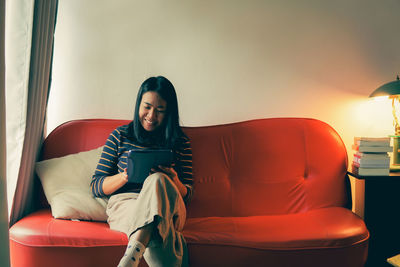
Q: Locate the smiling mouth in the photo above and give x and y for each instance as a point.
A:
(152, 123)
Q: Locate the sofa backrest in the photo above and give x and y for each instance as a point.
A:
(267, 167)
(78, 135)
(258, 167)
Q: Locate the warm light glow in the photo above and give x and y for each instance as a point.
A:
(381, 98)
(374, 116)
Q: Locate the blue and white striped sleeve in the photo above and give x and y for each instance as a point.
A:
(184, 167)
(107, 165)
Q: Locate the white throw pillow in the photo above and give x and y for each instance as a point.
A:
(66, 184)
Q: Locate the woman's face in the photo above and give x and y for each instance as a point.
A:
(152, 111)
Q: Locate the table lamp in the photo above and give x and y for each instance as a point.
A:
(392, 89)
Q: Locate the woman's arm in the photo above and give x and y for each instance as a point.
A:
(114, 182)
(107, 170)
(174, 177)
(184, 167)
(181, 174)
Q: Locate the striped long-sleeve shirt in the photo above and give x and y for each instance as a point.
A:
(114, 160)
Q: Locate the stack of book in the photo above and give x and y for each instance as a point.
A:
(371, 156)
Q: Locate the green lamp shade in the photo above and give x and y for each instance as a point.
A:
(390, 88)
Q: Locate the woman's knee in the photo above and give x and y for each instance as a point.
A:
(159, 182)
(158, 178)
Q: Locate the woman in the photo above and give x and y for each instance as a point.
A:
(153, 214)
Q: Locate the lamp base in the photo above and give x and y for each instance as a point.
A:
(395, 168)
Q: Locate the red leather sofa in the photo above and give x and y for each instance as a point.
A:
(268, 192)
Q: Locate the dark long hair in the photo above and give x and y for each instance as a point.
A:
(169, 131)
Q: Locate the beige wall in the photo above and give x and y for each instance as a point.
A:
(230, 60)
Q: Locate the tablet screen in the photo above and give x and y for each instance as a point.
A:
(141, 161)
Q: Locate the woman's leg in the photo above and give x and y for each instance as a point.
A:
(167, 246)
(143, 235)
(121, 210)
(136, 246)
(156, 218)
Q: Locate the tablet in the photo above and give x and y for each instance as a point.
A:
(141, 161)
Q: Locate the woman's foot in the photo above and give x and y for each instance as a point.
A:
(133, 254)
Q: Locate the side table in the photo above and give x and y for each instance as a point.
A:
(381, 210)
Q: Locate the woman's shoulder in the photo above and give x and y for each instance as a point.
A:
(123, 129)
(119, 132)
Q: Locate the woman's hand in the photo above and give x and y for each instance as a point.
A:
(115, 182)
(171, 173)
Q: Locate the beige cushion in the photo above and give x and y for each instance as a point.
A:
(66, 184)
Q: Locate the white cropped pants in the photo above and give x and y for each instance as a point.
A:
(160, 202)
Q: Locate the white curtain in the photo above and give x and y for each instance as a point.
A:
(29, 47)
(19, 20)
(4, 244)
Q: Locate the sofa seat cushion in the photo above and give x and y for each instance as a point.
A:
(323, 228)
(40, 229)
(289, 240)
(328, 227)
